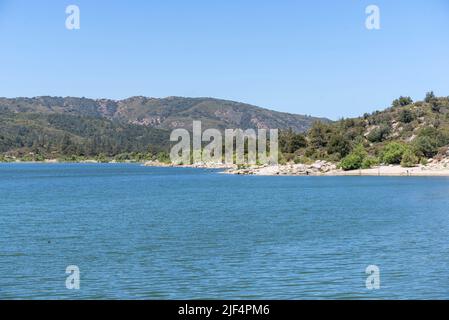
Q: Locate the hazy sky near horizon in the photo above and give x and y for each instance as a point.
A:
(308, 57)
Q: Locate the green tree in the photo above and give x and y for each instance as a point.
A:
(319, 135)
(379, 134)
(426, 145)
(290, 141)
(355, 159)
(409, 159)
(406, 116)
(402, 101)
(430, 96)
(393, 152)
(338, 144)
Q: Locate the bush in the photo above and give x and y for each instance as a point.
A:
(409, 159)
(303, 160)
(355, 159)
(163, 157)
(406, 116)
(402, 101)
(379, 134)
(369, 162)
(429, 97)
(339, 145)
(393, 152)
(426, 146)
(101, 158)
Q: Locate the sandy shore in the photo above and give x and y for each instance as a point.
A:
(319, 168)
(329, 170)
(393, 171)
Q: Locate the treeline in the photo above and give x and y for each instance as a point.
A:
(407, 133)
(60, 136)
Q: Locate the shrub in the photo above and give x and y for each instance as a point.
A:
(409, 159)
(338, 144)
(436, 107)
(101, 158)
(429, 96)
(163, 157)
(378, 134)
(354, 160)
(302, 159)
(426, 146)
(369, 162)
(402, 101)
(406, 116)
(393, 152)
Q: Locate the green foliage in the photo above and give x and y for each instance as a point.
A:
(339, 145)
(3, 158)
(319, 134)
(355, 159)
(429, 140)
(101, 158)
(73, 129)
(163, 157)
(370, 162)
(62, 136)
(303, 160)
(406, 116)
(393, 152)
(290, 141)
(409, 159)
(426, 146)
(402, 101)
(379, 134)
(430, 96)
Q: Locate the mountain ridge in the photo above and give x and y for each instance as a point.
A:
(164, 113)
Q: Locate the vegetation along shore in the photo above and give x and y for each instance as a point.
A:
(407, 138)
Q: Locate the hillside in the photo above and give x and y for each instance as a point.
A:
(136, 128)
(406, 133)
(34, 136)
(167, 113)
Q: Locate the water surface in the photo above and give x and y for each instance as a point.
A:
(171, 233)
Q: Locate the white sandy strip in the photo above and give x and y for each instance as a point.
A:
(377, 171)
(393, 171)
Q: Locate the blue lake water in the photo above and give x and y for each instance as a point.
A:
(171, 233)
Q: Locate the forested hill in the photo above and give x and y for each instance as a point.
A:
(135, 128)
(167, 113)
(406, 133)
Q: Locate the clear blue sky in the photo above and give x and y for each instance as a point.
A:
(310, 57)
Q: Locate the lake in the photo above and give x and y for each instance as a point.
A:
(174, 233)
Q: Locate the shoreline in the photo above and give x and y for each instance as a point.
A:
(323, 168)
(318, 169)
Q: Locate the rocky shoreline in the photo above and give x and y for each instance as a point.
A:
(435, 167)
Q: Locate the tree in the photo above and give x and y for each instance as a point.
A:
(355, 159)
(430, 96)
(289, 141)
(393, 152)
(406, 116)
(319, 135)
(409, 159)
(338, 144)
(426, 145)
(379, 134)
(402, 102)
